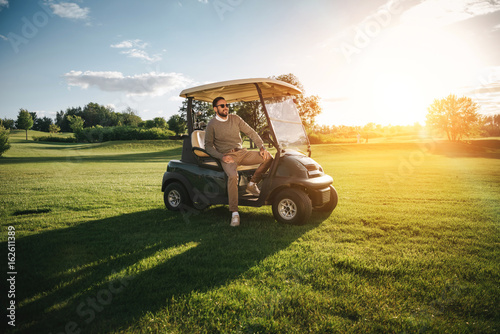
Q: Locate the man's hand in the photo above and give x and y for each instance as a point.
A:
(264, 153)
(228, 159)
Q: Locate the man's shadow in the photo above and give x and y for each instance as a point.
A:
(103, 275)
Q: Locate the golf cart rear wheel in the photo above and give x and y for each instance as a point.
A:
(331, 204)
(292, 206)
(176, 197)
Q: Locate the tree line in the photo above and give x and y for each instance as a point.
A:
(456, 117)
(90, 116)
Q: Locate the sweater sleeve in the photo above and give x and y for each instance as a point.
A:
(209, 142)
(247, 129)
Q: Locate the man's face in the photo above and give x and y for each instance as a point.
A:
(222, 108)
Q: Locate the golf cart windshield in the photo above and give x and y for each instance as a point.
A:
(287, 125)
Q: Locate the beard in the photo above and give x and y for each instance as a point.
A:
(222, 114)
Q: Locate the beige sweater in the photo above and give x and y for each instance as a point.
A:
(221, 137)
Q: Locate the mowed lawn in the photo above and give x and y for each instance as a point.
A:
(413, 246)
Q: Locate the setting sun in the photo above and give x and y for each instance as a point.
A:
(397, 99)
(400, 73)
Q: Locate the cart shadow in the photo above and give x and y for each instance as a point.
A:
(103, 275)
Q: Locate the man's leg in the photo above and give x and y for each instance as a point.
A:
(232, 185)
(253, 158)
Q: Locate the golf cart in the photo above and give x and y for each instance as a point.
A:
(294, 185)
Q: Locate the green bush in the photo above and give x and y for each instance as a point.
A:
(4, 140)
(316, 138)
(55, 139)
(101, 134)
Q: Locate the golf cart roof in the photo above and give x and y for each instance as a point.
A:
(241, 90)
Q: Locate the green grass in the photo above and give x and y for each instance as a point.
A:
(412, 247)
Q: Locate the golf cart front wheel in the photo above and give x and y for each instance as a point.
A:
(292, 206)
(175, 196)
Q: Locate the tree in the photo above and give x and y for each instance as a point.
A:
(54, 128)
(149, 124)
(42, 124)
(91, 113)
(309, 106)
(62, 118)
(160, 122)
(368, 131)
(491, 125)
(129, 117)
(4, 140)
(458, 117)
(34, 117)
(202, 111)
(76, 123)
(95, 114)
(24, 121)
(251, 112)
(177, 124)
(7, 123)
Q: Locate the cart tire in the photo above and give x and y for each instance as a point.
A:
(292, 206)
(332, 204)
(176, 197)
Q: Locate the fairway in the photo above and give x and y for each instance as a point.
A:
(412, 247)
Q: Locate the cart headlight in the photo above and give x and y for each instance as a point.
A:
(314, 170)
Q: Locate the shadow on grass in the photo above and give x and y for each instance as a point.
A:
(64, 275)
(489, 149)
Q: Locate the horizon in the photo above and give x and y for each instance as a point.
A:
(366, 61)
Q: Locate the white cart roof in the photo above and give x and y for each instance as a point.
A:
(241, 90)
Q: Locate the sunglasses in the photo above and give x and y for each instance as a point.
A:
(223, 105)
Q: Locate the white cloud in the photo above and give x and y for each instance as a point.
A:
(70, 10)
(4, 3)
(135, 50)
(486, 91)
(122, 45)
(152, 84)
(4, 38)
(128, 44)
(444, 12)
(141, 54)
(44, 113)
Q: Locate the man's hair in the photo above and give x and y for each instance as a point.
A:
(217, 99)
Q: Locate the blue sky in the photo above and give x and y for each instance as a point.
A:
(381, 61)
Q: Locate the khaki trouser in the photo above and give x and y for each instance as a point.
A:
(243, 157)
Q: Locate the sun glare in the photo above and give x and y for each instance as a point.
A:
(404, 69)
(396, 99)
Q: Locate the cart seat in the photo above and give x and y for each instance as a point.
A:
(198, 141)
(198, 144)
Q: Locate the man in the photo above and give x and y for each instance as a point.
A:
(223, 141)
